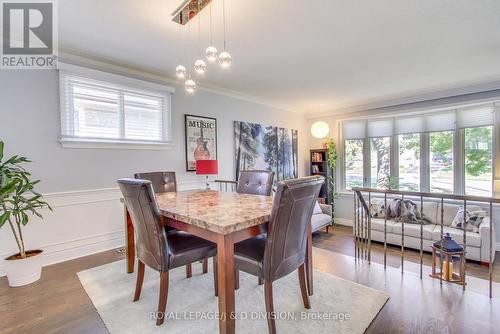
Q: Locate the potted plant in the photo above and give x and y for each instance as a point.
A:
(331, 158)
(18, 200)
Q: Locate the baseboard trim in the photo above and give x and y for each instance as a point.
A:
(73, 249)
(343, 221)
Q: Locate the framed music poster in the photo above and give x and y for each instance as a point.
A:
(201, 140)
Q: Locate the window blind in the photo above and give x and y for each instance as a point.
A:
(380, 127)
(408, 125)
(443, 121)
(97, 110)
(354, 129)
(475, 116)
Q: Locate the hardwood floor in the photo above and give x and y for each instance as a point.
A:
(58, 303)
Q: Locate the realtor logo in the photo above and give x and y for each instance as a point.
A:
(29, 34)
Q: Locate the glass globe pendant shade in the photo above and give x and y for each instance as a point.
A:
(200, 66)
(190, 86)
(320, 129)
(180, 72)
(211, 53)
(225, 59)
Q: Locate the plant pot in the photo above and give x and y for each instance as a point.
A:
(24, 271)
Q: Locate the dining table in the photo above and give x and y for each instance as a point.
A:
(224, 218)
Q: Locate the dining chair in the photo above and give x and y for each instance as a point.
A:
(155, 248)
(164, 182)
(283, 250)
(255, 182)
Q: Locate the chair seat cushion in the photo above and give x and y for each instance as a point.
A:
(185, 248)
(249, 255)
(472, 238)
(318, 221)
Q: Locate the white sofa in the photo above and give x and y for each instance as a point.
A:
(321, 218)
(478, 244)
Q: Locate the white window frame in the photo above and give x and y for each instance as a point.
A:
(458, 154)
(67, 71)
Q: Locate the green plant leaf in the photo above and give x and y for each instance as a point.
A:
(1, 150)
(9, 188)
(25, 218)
(4, 218)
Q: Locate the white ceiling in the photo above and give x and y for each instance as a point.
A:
(310, 55)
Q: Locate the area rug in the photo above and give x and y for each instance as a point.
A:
(338, 305)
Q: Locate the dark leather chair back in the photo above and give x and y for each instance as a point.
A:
(163, 182)
(255, 182)
(288, 227)
(151, 243)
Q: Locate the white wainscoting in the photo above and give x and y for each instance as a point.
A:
(82, 223)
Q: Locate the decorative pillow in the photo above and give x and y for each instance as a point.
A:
(473, 219)
(476, 219)
(317, 209)
(377, 209)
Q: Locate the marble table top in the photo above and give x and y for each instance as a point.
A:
(219, 212)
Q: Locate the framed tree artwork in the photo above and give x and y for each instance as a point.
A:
(266, 147)
(201, 140)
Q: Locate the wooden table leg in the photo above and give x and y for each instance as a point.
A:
(309, 262)
(225, 282)
(130, 242)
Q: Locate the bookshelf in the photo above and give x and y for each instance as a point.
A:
(319, 166)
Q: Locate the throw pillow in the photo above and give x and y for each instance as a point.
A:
(317, 209)
(476, 218)
(377, 208)
(473, 219)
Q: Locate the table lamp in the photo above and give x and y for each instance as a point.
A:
(206, 167)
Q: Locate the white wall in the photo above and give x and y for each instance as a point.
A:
(81, 183)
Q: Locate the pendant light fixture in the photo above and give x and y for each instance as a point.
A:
(199, 65)
(211, 52)
(190, 85)
(224, 58)
(180, 70)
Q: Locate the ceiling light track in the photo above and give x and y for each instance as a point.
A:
(188, 9)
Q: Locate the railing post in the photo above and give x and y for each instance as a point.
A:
(385, 231)
(369, 228)
(490, 268)
(355, 222)
(421, 234)
(402, 236)
(441, 252)
(465, 240)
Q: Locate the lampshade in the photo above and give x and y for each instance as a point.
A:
(205, 167)
(320, 129)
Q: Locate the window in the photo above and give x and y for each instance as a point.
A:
(380, 162)
(112, 110)
(409, 162)
(446, 151)
(353, 163)
(478, 161)
(441, 162)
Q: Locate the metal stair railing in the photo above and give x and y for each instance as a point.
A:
(362, 224)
